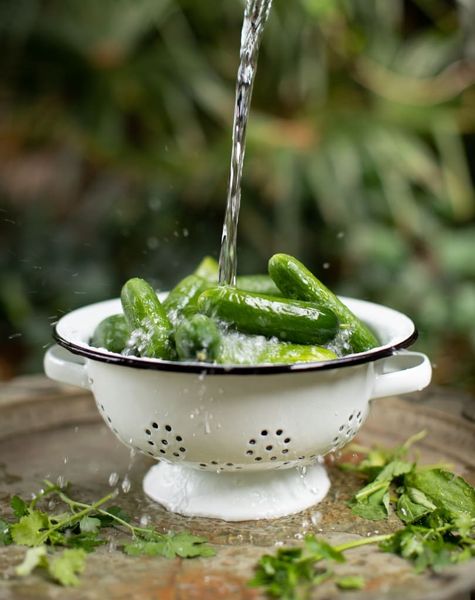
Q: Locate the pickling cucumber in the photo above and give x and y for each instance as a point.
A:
(183, 297)
(296, 281)
(147, 319)
(197, 338)
(241, 349)
(262, 284)
(112, 333)
(208, 269)
(289, 320)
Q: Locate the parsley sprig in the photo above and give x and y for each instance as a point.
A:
(435, 506)
(79, 530)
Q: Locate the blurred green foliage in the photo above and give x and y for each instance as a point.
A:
(115, 122)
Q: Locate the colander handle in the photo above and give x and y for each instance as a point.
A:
(65, 367)
(401, 373)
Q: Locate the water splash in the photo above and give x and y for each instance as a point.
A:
(255, 18)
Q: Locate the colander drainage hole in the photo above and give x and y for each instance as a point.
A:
(151, 453)
(182, 449)
(335, 439)
(287, 441)
(273, 457)
(249, 452)
(176, 454)
(164, 442)
(151, 443)
(109, 419)
(155, 425)
(252, 442)
(162, 451)
(258, 458)
(268, 448)
(179, 438)
(279, 432)
(350, 418)
(264, 432)
(285, 451)
(214, 462)
(168, 428)
(148, 432)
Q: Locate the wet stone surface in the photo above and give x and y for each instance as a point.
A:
(78, 447)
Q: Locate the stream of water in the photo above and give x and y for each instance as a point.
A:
(255, 17)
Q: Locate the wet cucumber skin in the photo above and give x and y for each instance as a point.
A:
(198, 338)
(182, 299)
(208, 269)
(147, 319)
(296, 281)
(112, 333)
(288, 320)
(262, 284)
(242, 349)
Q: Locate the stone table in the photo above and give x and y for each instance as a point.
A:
(54, 431)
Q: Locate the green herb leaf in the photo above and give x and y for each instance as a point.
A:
(184, 545)
(445, 490)
(27, 531)
(87, 541)
(5, 535)
(34, 557)
(409, 511)
(372, 502)
(65, 568)
(19, 506)
(394, 469)
(351, 582)
(89, 524)
(319, 549)
(113, 511)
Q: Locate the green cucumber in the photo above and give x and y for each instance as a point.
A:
(241, 349)
(261, 284)
(112, 333)
(197, 338)
(183, 296)
(296, 281)
(208, 269)
(148, 320)
(289, 320)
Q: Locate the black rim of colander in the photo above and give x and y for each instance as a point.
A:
(211, 369)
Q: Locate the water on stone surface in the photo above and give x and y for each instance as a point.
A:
(255, 18)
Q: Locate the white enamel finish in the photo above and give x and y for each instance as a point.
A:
(61, 365)
(401, 373)
(236, 496)
(261, 427)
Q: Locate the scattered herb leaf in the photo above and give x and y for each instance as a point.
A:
(67, 566)
(19, 507)
(5, 535)
(34, 557)
(351, 582)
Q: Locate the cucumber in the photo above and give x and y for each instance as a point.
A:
(208, 269)
(148, 320)
(296, 281)
(112, 333)
(289, 320)
(241, 349)
(197, 338)
(183, 296)
(262, 284)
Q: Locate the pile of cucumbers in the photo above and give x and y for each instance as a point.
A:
(288, 316)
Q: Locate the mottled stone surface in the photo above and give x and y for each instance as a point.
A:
(54, 431)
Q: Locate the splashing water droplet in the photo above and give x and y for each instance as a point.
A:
(113, 479)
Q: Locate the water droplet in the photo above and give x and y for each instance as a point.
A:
(113, 479)
(126, 485)
(315, 517)
(144, 520)
(326, 265)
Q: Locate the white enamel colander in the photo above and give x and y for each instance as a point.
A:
(237, 442)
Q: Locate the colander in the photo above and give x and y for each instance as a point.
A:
(237, 442)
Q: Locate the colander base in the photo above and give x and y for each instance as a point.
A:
(236, 496)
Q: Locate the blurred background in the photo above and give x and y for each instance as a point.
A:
(115, 126)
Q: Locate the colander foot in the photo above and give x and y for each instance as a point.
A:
(236, 496)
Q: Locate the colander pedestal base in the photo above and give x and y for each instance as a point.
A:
(235, 496)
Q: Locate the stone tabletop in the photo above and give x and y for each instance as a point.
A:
(55, 431)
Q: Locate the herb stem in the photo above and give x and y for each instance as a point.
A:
(75, 504)
(75, 517)
(364, 542)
